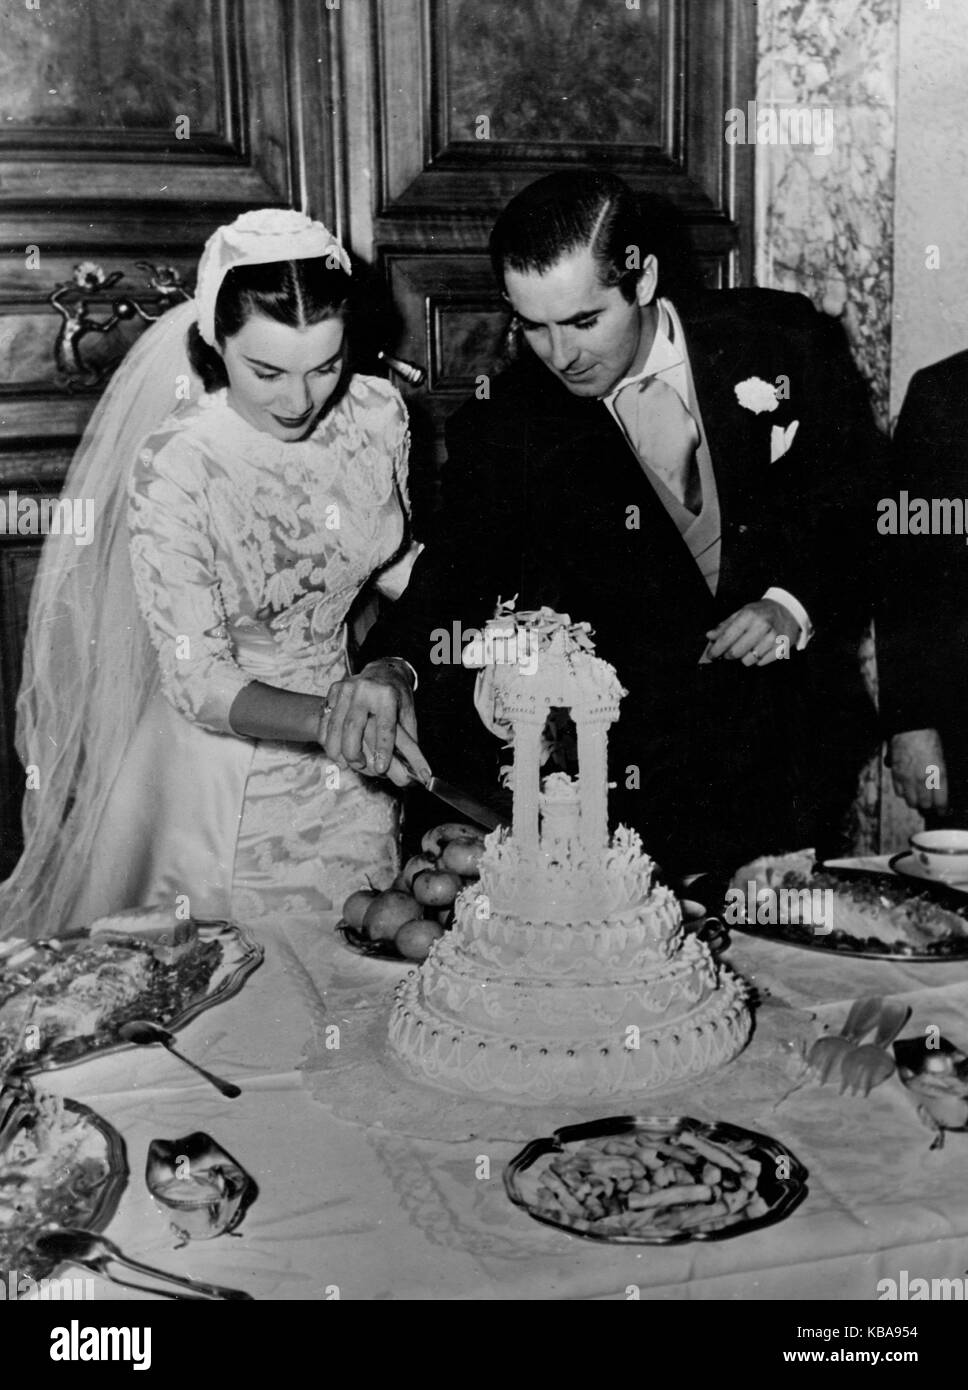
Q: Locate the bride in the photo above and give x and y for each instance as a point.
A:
(246, 486)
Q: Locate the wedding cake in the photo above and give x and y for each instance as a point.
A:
(567, 974)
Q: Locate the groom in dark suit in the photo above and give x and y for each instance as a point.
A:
(690, 474)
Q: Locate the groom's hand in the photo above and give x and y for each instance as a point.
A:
(371, 713)
(753, 634)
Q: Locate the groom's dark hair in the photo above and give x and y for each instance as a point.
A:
(577, 208)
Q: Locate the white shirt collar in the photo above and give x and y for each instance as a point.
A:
(665, 353)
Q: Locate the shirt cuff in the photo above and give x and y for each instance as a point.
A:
(796, 611)
(404, 662)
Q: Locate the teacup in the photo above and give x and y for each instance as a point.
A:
(942, 853)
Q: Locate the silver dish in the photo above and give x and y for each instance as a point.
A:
(240, 957)
(782, 1195)
(103, 1203)
(839, 944)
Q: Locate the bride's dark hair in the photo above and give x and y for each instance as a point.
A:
(296, 293)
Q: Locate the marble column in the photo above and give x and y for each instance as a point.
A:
(824, 221)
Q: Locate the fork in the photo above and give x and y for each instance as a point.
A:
(829, 1051)
(865, 1067)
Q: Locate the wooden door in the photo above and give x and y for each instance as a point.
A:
(128, 132)
(452, 106)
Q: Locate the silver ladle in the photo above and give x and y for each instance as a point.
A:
(98, 1253)
(142, 1031)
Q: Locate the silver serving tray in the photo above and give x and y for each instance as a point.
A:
(839, 944)
(782, 1195)
(241, 956)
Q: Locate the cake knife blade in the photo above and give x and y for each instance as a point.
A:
(460, 800)
(456, 797)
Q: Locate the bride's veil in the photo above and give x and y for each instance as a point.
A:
(88, 670)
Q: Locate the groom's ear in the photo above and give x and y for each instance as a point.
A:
(647, 282)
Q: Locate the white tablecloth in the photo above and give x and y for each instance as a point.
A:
(352, 1212)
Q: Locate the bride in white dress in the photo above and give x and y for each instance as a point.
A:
(173, 708)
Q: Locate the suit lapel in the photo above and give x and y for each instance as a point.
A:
(722, 352)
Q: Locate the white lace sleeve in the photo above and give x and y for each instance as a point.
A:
(394, 579)
(178, 592)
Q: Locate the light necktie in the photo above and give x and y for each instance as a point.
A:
(664, 435)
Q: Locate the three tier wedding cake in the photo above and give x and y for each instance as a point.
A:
(567, 974)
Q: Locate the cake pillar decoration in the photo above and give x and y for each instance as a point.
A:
(527, 777)
(593, 780)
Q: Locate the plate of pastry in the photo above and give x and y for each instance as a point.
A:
(61, 1165)
(656, 1180)
(64, 999)
(848, 911)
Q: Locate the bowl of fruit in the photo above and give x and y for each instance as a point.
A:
(403, 921)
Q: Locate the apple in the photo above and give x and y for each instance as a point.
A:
(387, 913)
(414, 865)
(463, 857)
(445, 916)
(414, 939)
(354, 909)
(434, 840)
(436, 888)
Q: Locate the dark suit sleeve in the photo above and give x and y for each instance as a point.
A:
(471, 560)
(922, 620)
(472, 554)
(821, 510)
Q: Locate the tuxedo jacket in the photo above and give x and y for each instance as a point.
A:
(544, 500)
(922, 623)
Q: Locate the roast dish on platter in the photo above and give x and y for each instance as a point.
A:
(847, 911)
(61, 1165)
(656, 1180)
(65, 999)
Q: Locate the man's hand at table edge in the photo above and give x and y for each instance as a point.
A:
(756, 634)
(371, 715)
(911, 754)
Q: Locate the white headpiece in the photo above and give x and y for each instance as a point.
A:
(259, 238)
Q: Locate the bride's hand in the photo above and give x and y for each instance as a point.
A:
(368, 715)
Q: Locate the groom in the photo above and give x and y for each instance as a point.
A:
(690, 472)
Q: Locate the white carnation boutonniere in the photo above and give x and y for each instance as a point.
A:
(756, 394)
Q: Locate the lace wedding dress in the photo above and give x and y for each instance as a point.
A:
(247, 554)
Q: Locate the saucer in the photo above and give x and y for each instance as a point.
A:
(909, 866)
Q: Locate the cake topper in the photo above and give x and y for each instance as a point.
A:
(532, 662)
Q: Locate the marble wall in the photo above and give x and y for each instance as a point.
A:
(824, 216)
(930, 317)
(874, 230)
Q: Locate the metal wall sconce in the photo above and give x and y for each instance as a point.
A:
(72, 300)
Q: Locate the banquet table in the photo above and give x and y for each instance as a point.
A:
(355, 1209)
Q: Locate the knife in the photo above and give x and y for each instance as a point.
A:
(468, 805)
(456, 797)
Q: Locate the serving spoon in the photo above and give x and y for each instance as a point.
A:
(143, 1032)
(98, 1253)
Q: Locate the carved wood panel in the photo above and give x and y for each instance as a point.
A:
(468, 101)
(128, 132)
